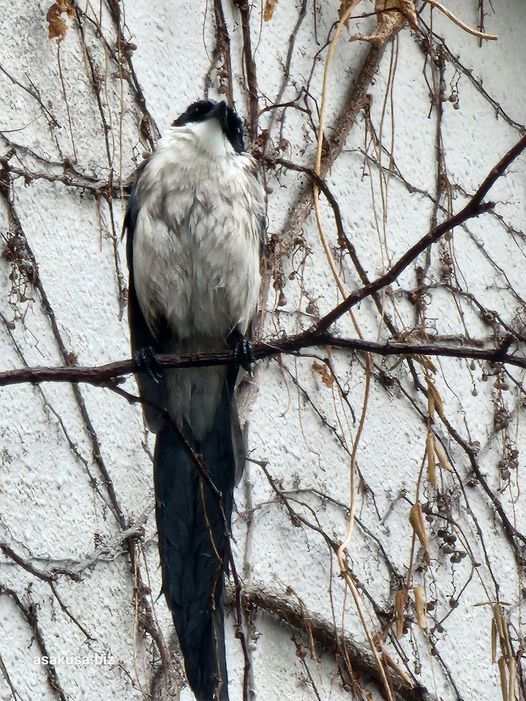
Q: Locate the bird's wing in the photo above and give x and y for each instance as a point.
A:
(142, 338)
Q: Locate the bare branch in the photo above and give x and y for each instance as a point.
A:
(324, 634)
(105, 375)
(473, 208)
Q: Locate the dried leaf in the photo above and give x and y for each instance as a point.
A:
(417, 522)
(426, 363)
(503, 679)
(323, 371)
(57, 27)
(420, 607)
(269, 10)
(442, 457)
(430, 405)
(399, 603)
(430, 456)
(499, 621)
(502, 629)
(437, 399)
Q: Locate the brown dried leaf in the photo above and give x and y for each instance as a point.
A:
(323, 371)
(417, 522)
(493, 641)
(269, 10)
(430, 405)
(430, 456)
(503, 679)
(67, 7)
(420, 607)
(57, 27)
(437, 399)
(442, 457)
(399, 603)
(499, 622)
(426, 362)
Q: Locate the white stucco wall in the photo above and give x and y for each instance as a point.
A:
(57, 513)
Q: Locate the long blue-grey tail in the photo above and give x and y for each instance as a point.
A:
(193, 544)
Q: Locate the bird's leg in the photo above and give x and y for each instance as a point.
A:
(243, 353)
(147, 362)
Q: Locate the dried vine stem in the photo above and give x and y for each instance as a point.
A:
(341, 554)
(460, 23)
(250, 68)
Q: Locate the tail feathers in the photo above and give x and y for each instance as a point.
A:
(192, 547)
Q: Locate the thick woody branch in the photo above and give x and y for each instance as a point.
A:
(327, 638)
(109, 373)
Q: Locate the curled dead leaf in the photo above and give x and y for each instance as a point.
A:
(493, 641)
(431, 406)
(442, 457)
(438, 402)
(57, 26)
(417, 522)
(399, 604)
(430, 456)
(503, 679)
(512, 675)
(270, 6)
(325, 374)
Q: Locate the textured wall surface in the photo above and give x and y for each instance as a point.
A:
(413, 122)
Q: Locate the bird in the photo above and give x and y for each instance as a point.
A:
(195, 227)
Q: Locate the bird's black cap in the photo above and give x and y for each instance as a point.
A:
(227, 117)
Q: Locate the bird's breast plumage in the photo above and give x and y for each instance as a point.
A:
(197, 240)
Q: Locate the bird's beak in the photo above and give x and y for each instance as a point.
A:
(220, 113)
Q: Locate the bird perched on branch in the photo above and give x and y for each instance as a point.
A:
(195, 229)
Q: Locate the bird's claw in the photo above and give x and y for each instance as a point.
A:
(147, 362)
(244, 355)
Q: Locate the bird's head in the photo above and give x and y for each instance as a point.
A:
(209, 120)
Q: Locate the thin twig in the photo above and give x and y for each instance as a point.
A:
(473, 208)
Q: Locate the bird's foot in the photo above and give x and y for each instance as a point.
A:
(244, 355)
(147, 362)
